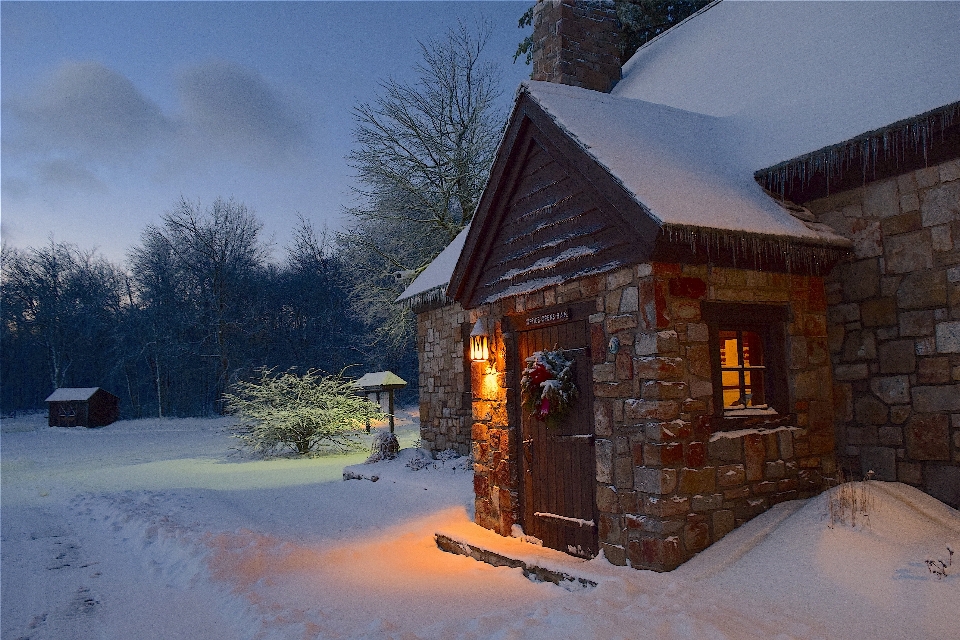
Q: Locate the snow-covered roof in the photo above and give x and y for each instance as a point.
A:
(431, 284)
(687, 169)
(382, 379)
(799, 76)
(69, 394)
(740, 87)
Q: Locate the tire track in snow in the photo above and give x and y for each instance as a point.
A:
(63, 602)
(242, 567)
(170, 555)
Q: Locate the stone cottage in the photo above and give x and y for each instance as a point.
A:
(748, 247)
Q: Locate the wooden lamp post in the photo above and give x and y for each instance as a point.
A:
(373, 384)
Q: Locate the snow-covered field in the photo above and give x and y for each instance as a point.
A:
(155, 529)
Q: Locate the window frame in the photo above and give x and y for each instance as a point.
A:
(749, 376)
(769, 322)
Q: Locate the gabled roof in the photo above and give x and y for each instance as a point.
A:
(686, 169)
(738, 88)
(800, 76)
(669, 185)
(430, 287)
(70, 394)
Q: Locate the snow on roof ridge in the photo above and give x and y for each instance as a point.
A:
(67, 394)
(380, 379)
(672, 30)
(584, 94)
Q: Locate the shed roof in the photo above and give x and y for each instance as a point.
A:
(800, 76)
(69, 394)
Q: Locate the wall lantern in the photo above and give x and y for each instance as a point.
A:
(480, 342)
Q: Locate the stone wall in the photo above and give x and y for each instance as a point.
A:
(445, 408)
(495, 469)
(575, 43)
(894, 326)
(670, 481)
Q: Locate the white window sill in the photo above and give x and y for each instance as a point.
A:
(746, 412)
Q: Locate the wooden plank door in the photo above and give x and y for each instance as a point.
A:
(559, 467)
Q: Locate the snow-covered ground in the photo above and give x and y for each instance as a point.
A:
(155, 529)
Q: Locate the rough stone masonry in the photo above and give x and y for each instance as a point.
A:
(894, 328)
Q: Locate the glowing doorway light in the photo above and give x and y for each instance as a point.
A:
(480, 342)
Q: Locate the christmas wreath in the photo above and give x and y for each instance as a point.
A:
(547, 385)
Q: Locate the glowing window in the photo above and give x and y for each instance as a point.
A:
(748, 344)
(742, 370)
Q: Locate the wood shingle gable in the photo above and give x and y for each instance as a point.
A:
(549, 214)
(557, 207)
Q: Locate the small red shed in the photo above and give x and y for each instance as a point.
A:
(82, 407)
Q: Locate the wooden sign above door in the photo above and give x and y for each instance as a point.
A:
(541, 319)
(552, 316)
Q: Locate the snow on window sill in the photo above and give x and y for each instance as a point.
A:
(741, 411)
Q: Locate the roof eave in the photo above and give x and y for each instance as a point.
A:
(743, 250)
(913, 143)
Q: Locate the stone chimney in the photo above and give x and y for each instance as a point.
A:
(575, 43)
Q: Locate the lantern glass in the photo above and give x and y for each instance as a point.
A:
(479, 342)
(479, 348)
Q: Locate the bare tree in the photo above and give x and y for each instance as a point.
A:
(202, 261)
(67, 304)
(163, 310)
(424, 151)
(379, 253)
(313, 324)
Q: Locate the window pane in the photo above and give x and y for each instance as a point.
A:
(731, 397)
(729, 349)
(730, 379)
(752, 349)
(755, 390)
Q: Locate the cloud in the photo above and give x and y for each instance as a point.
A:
(236, 110)
(71, 175)
(15, 188)
(85, 107)
(84, 129)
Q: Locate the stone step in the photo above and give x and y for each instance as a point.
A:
(530, 570)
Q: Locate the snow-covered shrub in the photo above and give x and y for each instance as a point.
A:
(417, 459)
(302, 413)
(447, 454)
(385, 447)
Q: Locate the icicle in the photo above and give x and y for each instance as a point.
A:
(866, 150)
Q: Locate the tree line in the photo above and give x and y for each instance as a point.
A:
(195, 308)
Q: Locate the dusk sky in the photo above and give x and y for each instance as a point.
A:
(111, 111)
